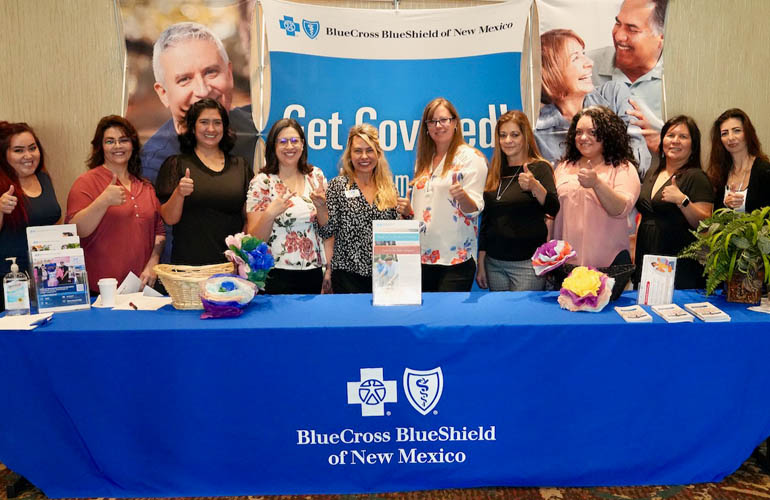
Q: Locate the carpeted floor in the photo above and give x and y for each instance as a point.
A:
(748, 482)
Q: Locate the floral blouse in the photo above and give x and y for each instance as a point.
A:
(448, 236)
(294, 241)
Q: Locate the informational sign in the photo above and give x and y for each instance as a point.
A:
(332, 68)
(396, 268)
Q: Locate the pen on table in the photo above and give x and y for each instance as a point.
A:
(133, 306)
(42, 321)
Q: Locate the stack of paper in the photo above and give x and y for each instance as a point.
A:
(634, 314)
(706, 311)
(673, 313)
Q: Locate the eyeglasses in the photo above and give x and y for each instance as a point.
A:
(443, 121)
(291, 140)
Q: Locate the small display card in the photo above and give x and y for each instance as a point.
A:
(656, 285)
(396, 272)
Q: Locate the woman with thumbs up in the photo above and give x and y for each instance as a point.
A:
(203, 189)
(27, 197)
(597, 186)
(519, 193)
(449, 178)
(115, 208)
(674, 198)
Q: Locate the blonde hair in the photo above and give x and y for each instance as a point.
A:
(532, 152)
(385, 197)
(426, 148)
(553, 49)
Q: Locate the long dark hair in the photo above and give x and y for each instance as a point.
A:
(693, 161)
(533, 152)
(720, 160)
(8, 176)
(187, 140)
(97, 147)
(610, 131)
(271, 159)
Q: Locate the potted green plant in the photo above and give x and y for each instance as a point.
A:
(734, 247)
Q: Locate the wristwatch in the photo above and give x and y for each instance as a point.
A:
(685, 202)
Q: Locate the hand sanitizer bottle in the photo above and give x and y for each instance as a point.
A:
(16, 290)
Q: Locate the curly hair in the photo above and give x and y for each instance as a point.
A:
(610, 132)
(188, 141)
(96, 159)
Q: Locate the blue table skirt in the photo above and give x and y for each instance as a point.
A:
(135, 404)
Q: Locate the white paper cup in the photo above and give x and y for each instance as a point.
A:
(108, 288)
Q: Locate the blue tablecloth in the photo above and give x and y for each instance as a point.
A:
(132, 403)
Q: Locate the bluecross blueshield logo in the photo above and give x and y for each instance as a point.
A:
(311, 28)
(289, 26)
(372, 392)
(423, 388)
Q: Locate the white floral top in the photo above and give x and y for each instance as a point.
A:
(448, 235)
(294, 242)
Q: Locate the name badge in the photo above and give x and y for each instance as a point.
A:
(352, 193)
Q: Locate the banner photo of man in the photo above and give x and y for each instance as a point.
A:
(603, 52)
(332, 68)
(179, 52)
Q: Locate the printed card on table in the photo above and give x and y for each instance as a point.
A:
(673, 313)
(656, 285)
(633, 314)
(708, 312)
(396, 271)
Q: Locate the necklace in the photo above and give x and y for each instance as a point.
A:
(510, 181)
(746, 172)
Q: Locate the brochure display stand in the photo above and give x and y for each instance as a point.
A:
(58, 268)
(396, 270)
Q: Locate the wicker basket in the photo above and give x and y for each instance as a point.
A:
(181, 282)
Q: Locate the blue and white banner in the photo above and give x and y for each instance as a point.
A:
(332, 68)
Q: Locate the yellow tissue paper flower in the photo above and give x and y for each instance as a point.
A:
(583, 281)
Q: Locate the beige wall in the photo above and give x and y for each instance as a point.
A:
(717, 57)
(62, 65)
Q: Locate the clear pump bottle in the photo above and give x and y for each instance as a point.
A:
(16, 290)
